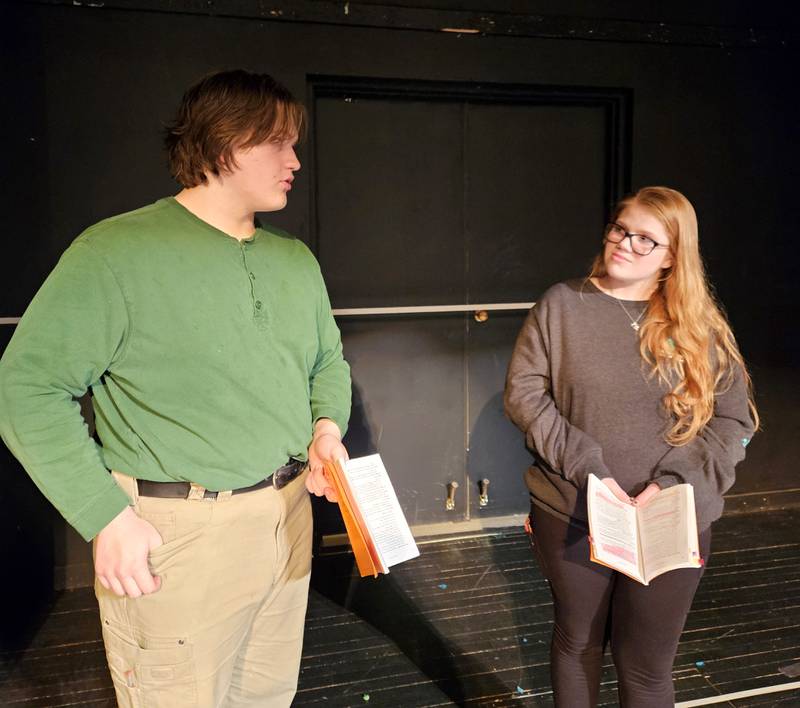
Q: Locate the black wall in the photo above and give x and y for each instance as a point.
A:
(713, 113)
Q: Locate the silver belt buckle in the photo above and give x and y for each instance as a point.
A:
(284, 475)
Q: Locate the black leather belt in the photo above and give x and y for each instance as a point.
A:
(183, 490)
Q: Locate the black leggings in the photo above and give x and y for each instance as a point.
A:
(644, 632)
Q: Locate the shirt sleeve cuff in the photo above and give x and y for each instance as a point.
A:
(665, 481)
(337, 416)
(102, 509)
(590, 463)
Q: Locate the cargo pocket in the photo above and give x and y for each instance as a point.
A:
(149, 672)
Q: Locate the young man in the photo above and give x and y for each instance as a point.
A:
(216, 370)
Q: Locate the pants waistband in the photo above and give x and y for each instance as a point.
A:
(189, 490)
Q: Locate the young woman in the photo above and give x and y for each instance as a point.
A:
(632, 374)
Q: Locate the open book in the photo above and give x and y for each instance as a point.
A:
(376, 526)
(643, 542)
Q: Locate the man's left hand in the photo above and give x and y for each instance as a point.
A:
(326, 446)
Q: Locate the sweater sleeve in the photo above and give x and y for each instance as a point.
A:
(708, 461)
(330, 377)
(71, 332)
(530, 405)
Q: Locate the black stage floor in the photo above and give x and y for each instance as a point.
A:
(468, 623)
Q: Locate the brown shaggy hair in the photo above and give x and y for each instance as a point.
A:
(223, 112)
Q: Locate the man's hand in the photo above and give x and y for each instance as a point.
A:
(121, 553)
(326, 446)
(647, 494)
(616, 490)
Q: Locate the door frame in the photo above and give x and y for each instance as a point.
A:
(616, 102)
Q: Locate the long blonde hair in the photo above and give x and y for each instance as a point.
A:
(685, 336)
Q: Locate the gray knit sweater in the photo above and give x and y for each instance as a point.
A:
(579, 390)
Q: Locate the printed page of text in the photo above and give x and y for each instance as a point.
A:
(664, 531)
(613, 528)
(380, 509)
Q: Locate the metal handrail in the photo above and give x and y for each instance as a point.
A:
(430, 309)
(411, 310)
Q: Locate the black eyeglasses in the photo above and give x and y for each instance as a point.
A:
(640, 244)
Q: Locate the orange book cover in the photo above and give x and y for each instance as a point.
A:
(367, 557)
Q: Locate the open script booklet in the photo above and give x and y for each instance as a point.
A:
(643, 542)
(377, 529)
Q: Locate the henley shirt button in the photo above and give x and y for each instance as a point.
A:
(252, 276)
(258, 304)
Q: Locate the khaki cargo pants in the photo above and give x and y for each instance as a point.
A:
(226, 627)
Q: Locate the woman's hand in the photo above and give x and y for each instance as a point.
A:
(616, 490)
(647, 494)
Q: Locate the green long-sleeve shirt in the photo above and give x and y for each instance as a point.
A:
(209, 360)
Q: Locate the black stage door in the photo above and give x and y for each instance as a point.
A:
(438, 195)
